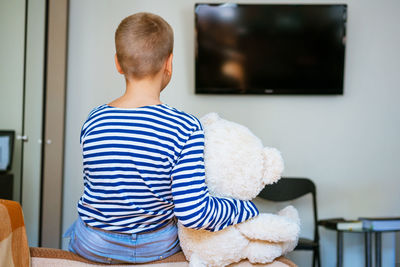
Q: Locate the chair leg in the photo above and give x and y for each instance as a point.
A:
(314, 258)
(318, 257)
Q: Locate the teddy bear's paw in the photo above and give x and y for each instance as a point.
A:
(288, 246)
(270, 227)
(273, 165)
(290, 212)
(262, 251)
(196, 261)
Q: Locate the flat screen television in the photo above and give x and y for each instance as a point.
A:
(269, 48)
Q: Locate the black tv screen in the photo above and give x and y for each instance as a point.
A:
(270, 49)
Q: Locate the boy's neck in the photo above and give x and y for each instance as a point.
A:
(139, 93)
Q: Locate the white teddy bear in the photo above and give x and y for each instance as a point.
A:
(238, 166)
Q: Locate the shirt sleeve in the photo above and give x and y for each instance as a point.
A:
(194, 206)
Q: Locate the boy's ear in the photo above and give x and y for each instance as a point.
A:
(117, 65)
(168, 64)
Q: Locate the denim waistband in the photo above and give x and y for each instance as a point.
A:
(172, 221)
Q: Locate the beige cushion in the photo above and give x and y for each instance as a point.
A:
(52, 262)
(38, 254)
(47, 257)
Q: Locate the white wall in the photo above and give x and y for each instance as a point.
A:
(347, 144)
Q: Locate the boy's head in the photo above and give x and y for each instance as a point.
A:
(143, 42)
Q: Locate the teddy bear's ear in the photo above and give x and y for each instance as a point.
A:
(273, 165)
(209, 118)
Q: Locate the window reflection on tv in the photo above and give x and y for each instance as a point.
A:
(270, 49)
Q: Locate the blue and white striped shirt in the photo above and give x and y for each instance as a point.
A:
(143, 166)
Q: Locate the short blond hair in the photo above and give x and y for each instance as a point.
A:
(143, 42)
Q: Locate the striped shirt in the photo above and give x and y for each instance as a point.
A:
(143, 166)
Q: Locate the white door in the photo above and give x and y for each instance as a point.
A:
(22, 45)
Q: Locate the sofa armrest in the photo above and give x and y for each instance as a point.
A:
(14, 248)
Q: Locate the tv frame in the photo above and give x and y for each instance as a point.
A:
(269, 91)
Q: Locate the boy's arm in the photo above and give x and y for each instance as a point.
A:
(194, 207)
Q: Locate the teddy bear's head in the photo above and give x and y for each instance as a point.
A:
(236, 162)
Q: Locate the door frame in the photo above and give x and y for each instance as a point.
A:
(54, 124)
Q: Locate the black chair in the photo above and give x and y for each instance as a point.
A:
(289, 189)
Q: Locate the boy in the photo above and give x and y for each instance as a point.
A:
(143, 161)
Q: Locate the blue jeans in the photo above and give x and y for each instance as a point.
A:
(109, 247)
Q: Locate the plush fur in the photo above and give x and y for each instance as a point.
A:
(238, 166)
